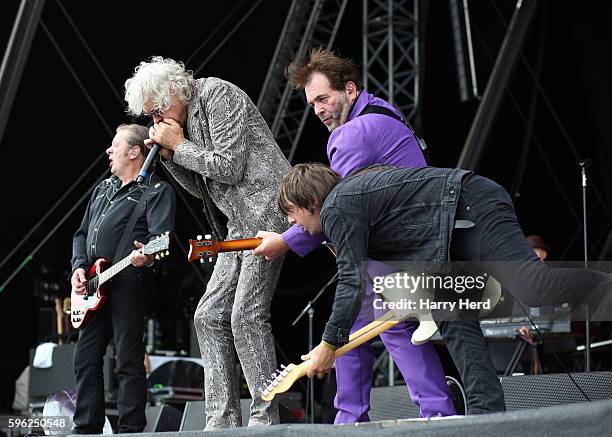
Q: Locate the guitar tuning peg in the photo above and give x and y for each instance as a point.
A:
(158, 237)
(167, 252)
(208, 236)
(201, 260)
(210, 260)
(283, 366)
(157, 256)
(199, 237)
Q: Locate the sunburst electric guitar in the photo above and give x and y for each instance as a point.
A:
(82, 306)
(202, 249)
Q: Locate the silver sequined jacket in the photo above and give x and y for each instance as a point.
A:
(231, 159)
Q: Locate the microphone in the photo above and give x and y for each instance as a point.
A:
(144, 171)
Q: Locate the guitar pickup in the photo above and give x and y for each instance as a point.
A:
(205, 253)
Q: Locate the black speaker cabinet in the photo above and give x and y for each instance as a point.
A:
(58, 377)
(391, 403)
(162, 418)
(535, 391)
(194, 418)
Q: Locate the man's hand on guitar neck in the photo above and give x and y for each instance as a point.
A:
(321, 359)
(78, 281)
(272, 245)
(138, 259)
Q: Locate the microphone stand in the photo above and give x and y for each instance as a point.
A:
(584, 164)
(309, 309)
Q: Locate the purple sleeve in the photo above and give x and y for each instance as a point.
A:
(377, 268)
(347, 150)
(300, 241)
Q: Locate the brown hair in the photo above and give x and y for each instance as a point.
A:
(137, 134)
(338, 70)
(306, 185)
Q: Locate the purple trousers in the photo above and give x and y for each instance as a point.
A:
(419, 365)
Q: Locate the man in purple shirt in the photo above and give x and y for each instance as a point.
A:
(333, 90)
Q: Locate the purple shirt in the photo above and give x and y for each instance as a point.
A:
(361, 141)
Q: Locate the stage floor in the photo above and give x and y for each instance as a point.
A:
(583, 419)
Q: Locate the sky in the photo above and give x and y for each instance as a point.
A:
(56, 131)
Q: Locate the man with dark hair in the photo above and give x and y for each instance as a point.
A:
(366, 214)
(364, 130)
(122, 316)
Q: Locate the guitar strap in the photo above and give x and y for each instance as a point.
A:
(376, 109)
(136, 212)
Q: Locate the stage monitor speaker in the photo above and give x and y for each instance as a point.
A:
(162, 418)
(194, 418)
(391, 403)
(535, 391)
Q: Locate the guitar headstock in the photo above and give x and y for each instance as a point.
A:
(282, 380)
(158, 246)
(200, 249)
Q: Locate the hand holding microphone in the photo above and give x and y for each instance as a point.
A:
(164, 137)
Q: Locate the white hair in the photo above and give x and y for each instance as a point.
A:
(156, 82)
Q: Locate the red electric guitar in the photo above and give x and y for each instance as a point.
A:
(207, 248)
(83, 305)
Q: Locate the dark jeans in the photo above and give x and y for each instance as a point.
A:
(501, 249)
(121, 318)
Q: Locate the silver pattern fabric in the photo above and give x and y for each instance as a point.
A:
(233, 164)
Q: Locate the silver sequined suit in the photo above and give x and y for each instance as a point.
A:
(233, 164)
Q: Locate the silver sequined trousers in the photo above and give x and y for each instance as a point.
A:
(233, 318)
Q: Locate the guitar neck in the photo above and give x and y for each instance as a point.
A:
(109, 273)
(368, 332)
(236, 245)
(365, 334)
(287, 377)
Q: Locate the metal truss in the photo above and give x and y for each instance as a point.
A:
(309, 23)
(391, 52)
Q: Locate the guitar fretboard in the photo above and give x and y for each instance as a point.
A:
(108, 274)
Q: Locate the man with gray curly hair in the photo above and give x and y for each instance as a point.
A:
(216, 144)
